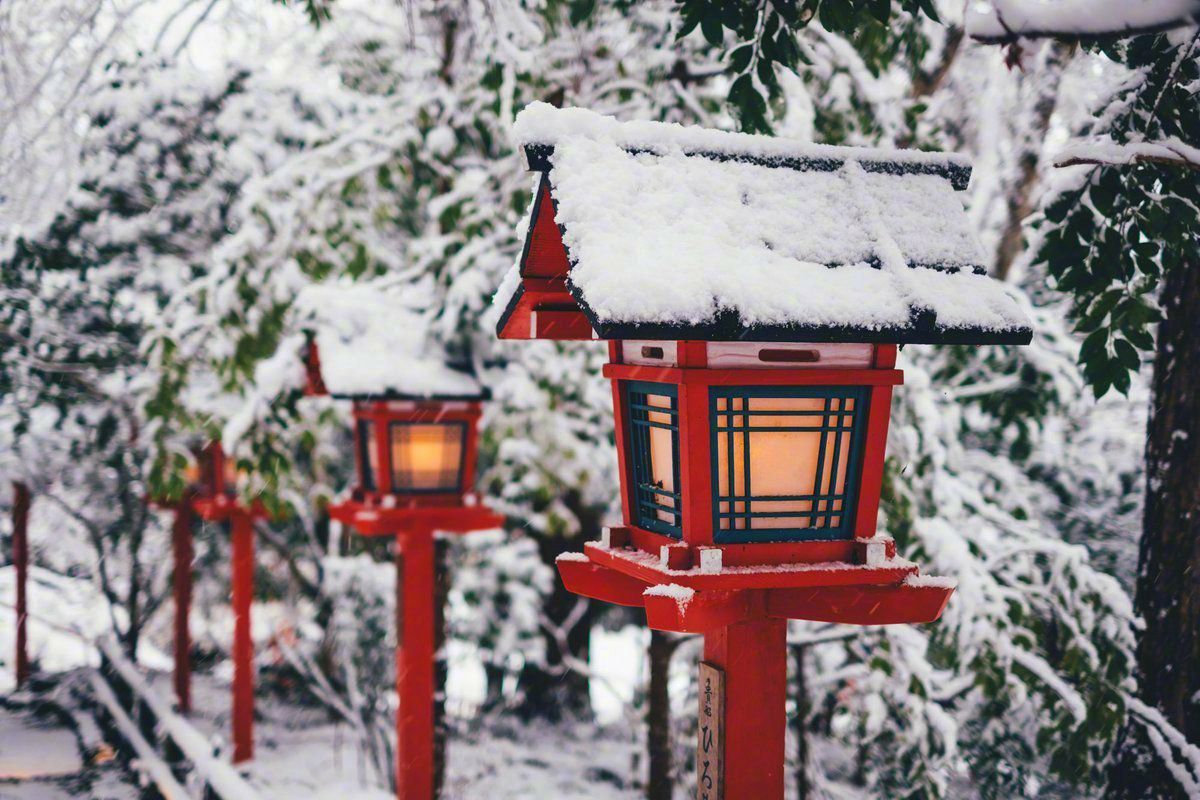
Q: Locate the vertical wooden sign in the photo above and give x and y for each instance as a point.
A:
(710, 746)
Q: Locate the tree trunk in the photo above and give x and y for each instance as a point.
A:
(550, 692)
(658, 717)
(1168, 582)
(1020, 199)
(802, 787)
(554, 692)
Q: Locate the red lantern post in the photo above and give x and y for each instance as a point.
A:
(182, 553)
(753, 318)
(415, 455)
(20, 516)
(217, 501)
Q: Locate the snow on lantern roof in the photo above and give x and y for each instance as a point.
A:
(650, 230)
(372, 341)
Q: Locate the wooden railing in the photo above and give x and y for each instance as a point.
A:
(177, 760)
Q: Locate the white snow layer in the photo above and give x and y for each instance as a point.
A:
(671, 238)
(542, 123)
(372, 340)
(1001, 19)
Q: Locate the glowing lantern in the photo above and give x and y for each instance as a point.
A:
(415, 443)
(753, 293)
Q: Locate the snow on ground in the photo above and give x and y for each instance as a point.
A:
(64, 615)
(29, 747)
(299, 753)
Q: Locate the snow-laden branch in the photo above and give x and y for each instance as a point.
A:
(1172, 152)
(1004, 21)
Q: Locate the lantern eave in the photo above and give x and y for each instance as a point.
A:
(369, 519)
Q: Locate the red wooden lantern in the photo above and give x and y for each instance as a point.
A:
(415, 442)
(753, 293)
(213, 491)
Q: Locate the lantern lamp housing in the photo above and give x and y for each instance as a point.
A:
(415, 414)
(753, 293)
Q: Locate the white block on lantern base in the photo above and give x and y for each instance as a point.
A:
(711, 560)
(876, 552)
(606, 537)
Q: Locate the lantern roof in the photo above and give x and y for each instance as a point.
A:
(373, 340)
(647, 230)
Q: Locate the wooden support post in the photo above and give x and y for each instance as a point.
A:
(242, 558)
(415, 588)
(21, 562)
(182, 551)
(753, 656)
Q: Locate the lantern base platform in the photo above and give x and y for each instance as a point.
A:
(694, 600)
(221, 508)
(375, 520)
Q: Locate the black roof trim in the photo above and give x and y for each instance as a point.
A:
(727, 326)
(513, 302)
(538, 156)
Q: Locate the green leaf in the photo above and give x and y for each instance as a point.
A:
(581, 10)
(1093, 346)
(739, 58)
(710, 26)
(1126, 354)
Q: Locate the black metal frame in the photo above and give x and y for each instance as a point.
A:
(462, 457)
(643, 493)
(822, 502)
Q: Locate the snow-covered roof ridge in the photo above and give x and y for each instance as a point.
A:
(540, 127)
(373, 341)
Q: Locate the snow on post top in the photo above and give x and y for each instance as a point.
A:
(664, 232)
(373, 341)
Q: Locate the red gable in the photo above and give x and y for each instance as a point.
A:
(542, 306)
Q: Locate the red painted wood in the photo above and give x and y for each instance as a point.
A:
(545, 254)
(372, 520)
(621, 434)
(560, 324)
(706, 611)
(183, 553)
(755, 377)
(861, 605)
(871, 482)
(20, 516)
(645, 567)
(885, 356)
(414, 664)
(314, 384)
(242, 564)
(695, 463)
(753, 656)
(601, 583)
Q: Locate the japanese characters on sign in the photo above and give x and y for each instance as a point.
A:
(710, 746)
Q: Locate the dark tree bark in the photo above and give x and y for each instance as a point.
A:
(553, 692)
(1168, 582)
(661, 782)
(802, 785)
(1021, 197)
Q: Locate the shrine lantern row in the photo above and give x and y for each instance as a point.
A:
(753, 293)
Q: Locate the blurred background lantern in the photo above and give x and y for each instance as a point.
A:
(415, 418)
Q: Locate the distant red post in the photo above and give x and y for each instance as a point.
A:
(183, 552)
(242, 547)
(21, 561)
(415, 637)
